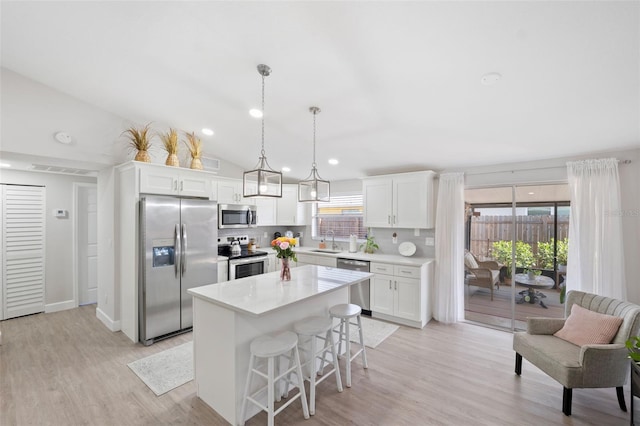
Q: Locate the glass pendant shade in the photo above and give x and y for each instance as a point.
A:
(262, 181)
(314, 188)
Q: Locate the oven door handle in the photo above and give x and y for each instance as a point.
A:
(254, 259)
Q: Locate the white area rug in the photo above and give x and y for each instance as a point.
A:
(166, 370)
(374, 332)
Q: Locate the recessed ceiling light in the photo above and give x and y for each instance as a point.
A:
(333, 161)
(490, 79)
(207, 132)
(255, 113)
(5, 165)
(531, 193)
(286, 169)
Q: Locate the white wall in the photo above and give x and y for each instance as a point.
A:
(59, 232)
(43, 111)
(108, 310)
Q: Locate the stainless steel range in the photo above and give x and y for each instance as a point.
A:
(245, 264)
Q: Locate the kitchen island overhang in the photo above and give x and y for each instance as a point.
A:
(228, 315)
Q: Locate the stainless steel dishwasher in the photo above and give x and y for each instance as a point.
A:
(359, 293)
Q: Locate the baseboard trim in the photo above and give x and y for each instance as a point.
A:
(60, 306)
(107, 321)
(401, 321)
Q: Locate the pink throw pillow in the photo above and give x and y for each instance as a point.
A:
(585, 327)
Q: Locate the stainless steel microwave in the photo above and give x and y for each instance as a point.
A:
(236, 216)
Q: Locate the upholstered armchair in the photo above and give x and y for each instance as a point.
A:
(588, 365)
(481, 274)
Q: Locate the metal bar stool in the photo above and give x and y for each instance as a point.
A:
(310, 329)
(345, 312)
(272, 348)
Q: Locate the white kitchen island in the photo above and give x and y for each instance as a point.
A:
(228, 315)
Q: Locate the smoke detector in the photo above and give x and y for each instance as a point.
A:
(490, 79)
(63, 138)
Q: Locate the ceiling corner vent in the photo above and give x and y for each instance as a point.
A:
(210, 164)
(63, 170)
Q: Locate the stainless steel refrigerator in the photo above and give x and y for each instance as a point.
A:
(178, 243)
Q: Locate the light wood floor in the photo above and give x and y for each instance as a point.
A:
(66, 368)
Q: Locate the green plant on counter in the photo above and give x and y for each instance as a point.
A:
(370, 245)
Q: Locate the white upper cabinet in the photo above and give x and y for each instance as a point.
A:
(266, 208)
(165, 180)
(403, 200)
(378, 198)
(230, 192)
(289, 211)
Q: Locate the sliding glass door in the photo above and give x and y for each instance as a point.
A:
(516, 239)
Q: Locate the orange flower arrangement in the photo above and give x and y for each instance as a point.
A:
(284, 247)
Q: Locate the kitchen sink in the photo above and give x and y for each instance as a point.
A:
(326, 251)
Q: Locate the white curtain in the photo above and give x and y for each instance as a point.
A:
(448, 303)
(595, 256)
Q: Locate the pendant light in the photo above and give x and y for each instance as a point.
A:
(313, 188)
(262, 181)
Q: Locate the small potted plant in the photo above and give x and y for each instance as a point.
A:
(633, 346)
(563, 249)
(140, 140)
(195, 149)
(370, 244)
(170, 144)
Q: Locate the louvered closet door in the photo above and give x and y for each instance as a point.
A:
(23, 240)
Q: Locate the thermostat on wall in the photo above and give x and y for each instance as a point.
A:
(60, 213)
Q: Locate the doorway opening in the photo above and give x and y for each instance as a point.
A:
(516, 241)
(85, 243)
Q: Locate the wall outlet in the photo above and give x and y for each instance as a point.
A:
(266, 235)
(394, 240)
(430, 241)
(416, 232)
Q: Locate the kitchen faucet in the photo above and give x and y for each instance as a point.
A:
(334, 246)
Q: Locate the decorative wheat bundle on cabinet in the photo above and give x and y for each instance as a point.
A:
(170, 143)
(195, 148)
(140, 140)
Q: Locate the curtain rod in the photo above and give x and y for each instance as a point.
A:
(531, 169)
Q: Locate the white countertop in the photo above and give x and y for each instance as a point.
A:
(375, 257)
(261, 294)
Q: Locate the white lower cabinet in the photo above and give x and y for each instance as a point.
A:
(223, 271)
(400, 293)
(271, 263)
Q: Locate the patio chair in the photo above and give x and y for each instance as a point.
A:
(484, 274)
(577, 357)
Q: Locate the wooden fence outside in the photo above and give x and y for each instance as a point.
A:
(485, 230)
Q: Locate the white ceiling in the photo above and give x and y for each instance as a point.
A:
(398, 82)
